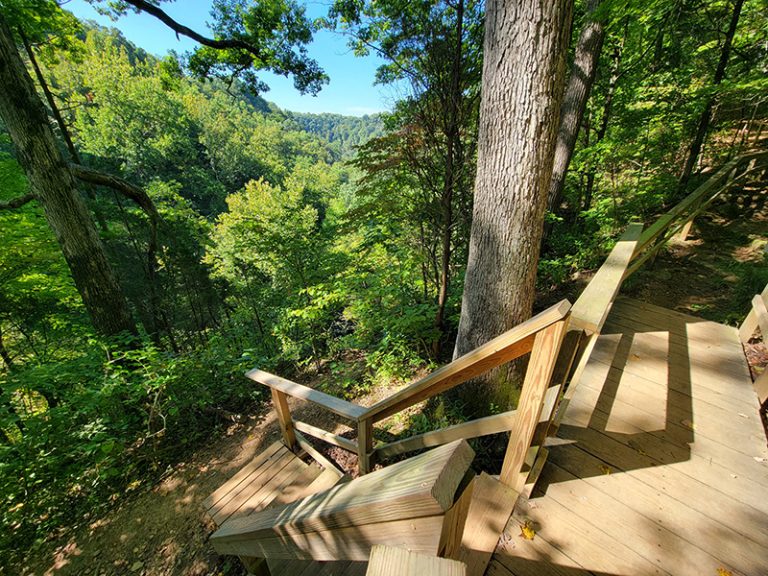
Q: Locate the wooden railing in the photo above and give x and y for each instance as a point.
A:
(757, 318)
(540, 336)
(680, 218)
(559, 340)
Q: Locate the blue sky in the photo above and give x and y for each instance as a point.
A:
(351, 90)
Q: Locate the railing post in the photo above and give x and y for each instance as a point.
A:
(540, 367)
(280, 400)
(364, 445)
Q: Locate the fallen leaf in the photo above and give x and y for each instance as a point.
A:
(605, 469)
(138, 565)
(526, 529)
(723, 572)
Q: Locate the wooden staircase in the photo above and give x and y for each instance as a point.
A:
(284, 516)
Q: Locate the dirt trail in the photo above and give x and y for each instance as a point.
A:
(163, 531)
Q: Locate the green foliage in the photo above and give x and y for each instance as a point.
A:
(344, 133)
(247, 37)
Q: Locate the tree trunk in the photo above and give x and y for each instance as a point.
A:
(50, 178)
(706, 115)
(73, 154)
(452, 143)
(574, 103)
(523, 73)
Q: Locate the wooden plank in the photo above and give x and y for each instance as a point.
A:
(586, 545)
(712, 187)
(685, 231)
(336, 405)
(243, 474)
(364, 445)
(660, 545)
(455, 520)
(502, 349)
(424, 485)
(327, 480)
(326, 436)
(490, 507)
(420, 535)
(317, 455)
(711, 495)
(750, 324)
(481, 427)
(654, 406)
(280, 403)
(258, 499)
(389, 561)
(761, 387)
(661, 509)
(591, 309)
(535, 557)
(758, 305)
(295, 487)
(535, 384)
(719, 383)
(533, 475)
(673, 443)
(235, 498)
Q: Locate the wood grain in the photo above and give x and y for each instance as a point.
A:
(336, 405)
(502, 349)
(421, 486)
(591, 309)
(535, 384)
(490, 507)
(390, 561)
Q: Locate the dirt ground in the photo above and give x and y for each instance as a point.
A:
(163, 531)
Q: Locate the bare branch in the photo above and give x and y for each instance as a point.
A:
(17, 202)
(188, 32)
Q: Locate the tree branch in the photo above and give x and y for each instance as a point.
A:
(133, 192)
(189, 33)
(17, 202)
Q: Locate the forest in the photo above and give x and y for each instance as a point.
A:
(164, 228)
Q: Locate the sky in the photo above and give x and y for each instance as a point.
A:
(350, 91)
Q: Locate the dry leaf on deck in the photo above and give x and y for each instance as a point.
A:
(526, 529)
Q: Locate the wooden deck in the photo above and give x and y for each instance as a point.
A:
(662, 464)
(277, 476)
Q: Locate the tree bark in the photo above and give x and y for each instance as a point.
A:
(523, 74)
(54, 185)
(577, 91)
(706, 115)
(73, 154)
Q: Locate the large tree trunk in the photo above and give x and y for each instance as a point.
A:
(706, 115)
(577, 91)
(523, 73)
(53, 183)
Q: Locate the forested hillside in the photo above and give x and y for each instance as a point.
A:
(236, 234)
(344, 133)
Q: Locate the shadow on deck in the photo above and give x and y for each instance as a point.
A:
(661, 467)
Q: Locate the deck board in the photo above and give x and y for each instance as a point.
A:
(662, 467)
(277, 476)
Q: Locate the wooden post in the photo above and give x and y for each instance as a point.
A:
(751, 323)
(682, 236)
(280, 400)
(364, 445)
(537, 378)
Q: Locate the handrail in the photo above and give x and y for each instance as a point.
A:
(591, 309)
(692, 205)
(508, 346)
(338, 406)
